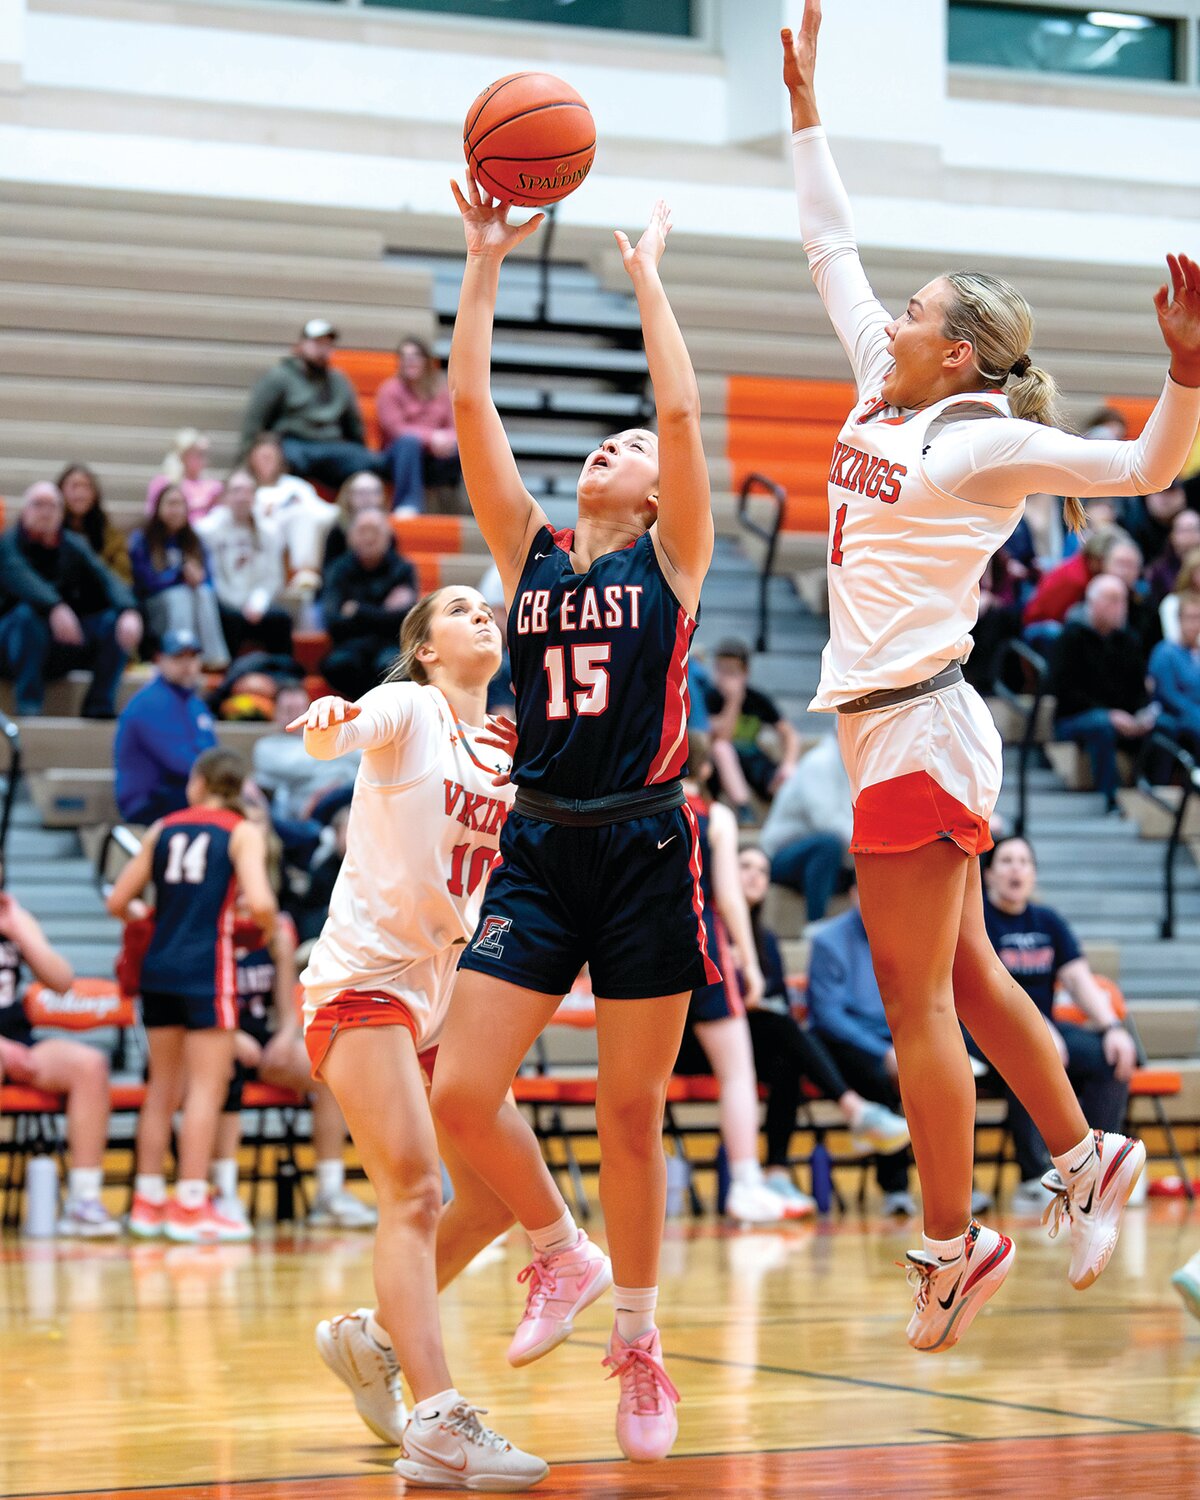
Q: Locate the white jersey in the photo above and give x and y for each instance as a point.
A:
(424, 831)
(920, 501)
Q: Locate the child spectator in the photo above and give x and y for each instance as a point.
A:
(246, 558)
(362, 491)
(60, 609)
(59, 1066)
(806, 833)
(84, 514)
(171, 575)
(160, 733)
(186, 466)
(367, 593)
(294, 508)
(739, 714)
(1175, 671)
(416, 403)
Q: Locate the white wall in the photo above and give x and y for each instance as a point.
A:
(364, 108)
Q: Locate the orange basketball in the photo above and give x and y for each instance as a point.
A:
(529, 139)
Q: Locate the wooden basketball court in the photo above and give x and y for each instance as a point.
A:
(191, 1372)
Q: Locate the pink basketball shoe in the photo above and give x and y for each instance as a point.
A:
(560, 1285)
(646, 1422)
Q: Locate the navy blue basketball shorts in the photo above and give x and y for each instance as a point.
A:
(720, 1001)
(623, 898)
(192, 1012)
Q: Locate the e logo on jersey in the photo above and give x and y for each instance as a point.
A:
(488, 940)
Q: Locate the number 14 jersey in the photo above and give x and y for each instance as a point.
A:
(599, 665)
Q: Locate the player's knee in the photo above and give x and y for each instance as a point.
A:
(410, 1189)
(456, 1104)
(631, 1123)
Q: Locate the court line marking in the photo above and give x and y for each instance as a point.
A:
(907, 1390)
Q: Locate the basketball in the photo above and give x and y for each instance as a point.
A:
(529, 139)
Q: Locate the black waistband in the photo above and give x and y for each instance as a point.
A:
(890, 697)
(594, 812)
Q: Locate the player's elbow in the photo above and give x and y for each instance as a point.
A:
(681, 414)
(1153, 478)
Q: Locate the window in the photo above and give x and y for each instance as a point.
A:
(1047, 39)
(662, 18)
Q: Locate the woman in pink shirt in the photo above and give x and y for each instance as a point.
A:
(187, 466)
(415, 401)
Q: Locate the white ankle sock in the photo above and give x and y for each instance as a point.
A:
(1070, 1165)
(151, 1186)
(635, 1310)
(331, 1177)
(434, 1406)
(83, 1183)
(224, 1176)
(191, 1193)
(945, 1250)
(377, 1332)
(748, 1173)
(561, 1235)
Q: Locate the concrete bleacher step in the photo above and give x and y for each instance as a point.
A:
(64, 696)
(1155, 822)
(72, 797)
(158, 361)
(87, 744)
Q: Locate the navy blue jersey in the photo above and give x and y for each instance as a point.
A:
(1033, 946)
(191, 954)
(722, 997)
(599, 666)
(255, 977)
(14, 1024)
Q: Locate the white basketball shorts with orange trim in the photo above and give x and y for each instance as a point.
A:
(921, 771)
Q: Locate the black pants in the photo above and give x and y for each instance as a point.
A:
(784, 1056)
(866, 1074)
(355, 666)
(273, 633)
(1102, 1097)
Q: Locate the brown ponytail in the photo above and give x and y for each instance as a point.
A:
(223, 773)
(414, 633)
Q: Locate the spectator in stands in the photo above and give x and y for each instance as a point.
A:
(84, 514)
(1148, 519)
(186, 465)
(1099, 682)
(367, 593)
(314, 410)
(362, 491)
(171, 575)
(1039, 950)
(847, 1013)
(58, 1065)
(415, 402)
(160, 732)
(245, 556)
(1175, 673)
(739, 714)
(785, 1053)
(1187, 581)
(292, 781)
(1106, 425)
(61, 609)
(290, 504)
(806, 834)
(1109, 550)
(1162, 576)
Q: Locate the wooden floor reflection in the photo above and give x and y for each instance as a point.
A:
(179, 1373)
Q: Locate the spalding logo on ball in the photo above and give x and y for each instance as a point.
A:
(529, 139)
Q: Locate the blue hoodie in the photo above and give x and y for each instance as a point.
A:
(160, 732)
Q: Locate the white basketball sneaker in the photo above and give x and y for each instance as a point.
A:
(949, 1294)
(369, 1371)
(454, 1450)
(1093, 1201)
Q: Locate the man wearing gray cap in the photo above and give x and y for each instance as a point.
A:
(313, 408)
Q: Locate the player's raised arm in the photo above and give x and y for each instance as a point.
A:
(826, 224)
(683, 533)
(507, 513)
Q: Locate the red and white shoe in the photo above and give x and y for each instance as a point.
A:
(1093, 1201)
(188, 1226)
(948, 1295)
(560, 1286)
(146, 1221)
(646, 1422)
(228, 1227)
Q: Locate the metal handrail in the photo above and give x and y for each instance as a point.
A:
(1036, 674)
(769, 534)
(12, 739)
(122, 838)
(1184, 765)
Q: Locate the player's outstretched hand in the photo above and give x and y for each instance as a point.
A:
(325, 713)
(800, 52)
(649, 249)
(485, 222)
(1179, 318)
(501, 734)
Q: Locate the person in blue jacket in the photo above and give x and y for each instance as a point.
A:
(1175, 671)
(160, 732)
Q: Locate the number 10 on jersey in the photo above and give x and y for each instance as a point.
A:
(588, 691)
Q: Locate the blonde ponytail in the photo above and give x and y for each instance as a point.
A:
(994, 318)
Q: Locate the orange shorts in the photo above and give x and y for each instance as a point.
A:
(353, 1008)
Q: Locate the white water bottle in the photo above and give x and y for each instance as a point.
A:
(41, 1198)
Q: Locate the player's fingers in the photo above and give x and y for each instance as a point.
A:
(472, 190)
(1161, 299)
(622, 241)
(1191, 273)
(1176, 271)
(503, 722)
(812, 19)
(502, 780)
(300, 723)
(463, 205)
